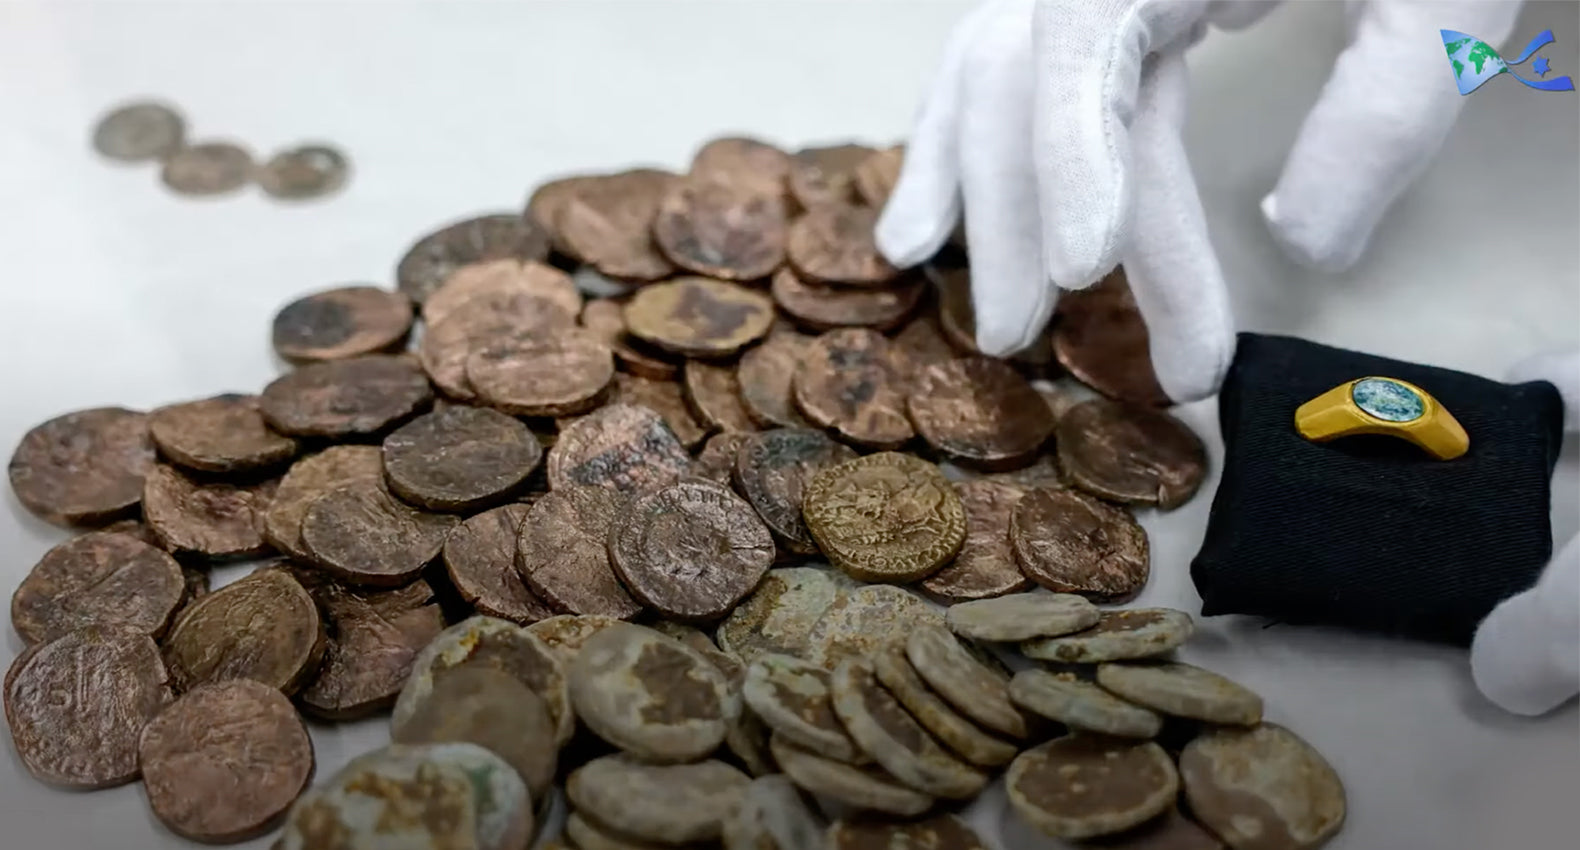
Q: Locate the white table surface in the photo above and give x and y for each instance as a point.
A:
(117, 292)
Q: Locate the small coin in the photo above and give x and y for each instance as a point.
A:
(975, 689)
(716, 461)
(460, 458)
(338, 399)
(743, 162)
(1116, 636)
(1130, 454)
(562, 552)
(1069, 542)
(792, 698)
(221, 434)
(605, 318)
(824, 308)
(480, 558)
(1081, 705)
(667, 399)
(883, 728)
(607, 222)
(435, 256)
(557, 376)
(1084, 786)
(306, 480)
(373, 638)
(621, 447)
(205, 519)
(834, 244)
(772, 469)
(546, 203)
(782, 613)
(99, 579)
(207, 168)
(980, 412)
(83, 468)
(1262, 788)
(862, 621)
(985, 566)
(698, 316)
(307, 171)
(585, 834)
(488, 318)
(671, 804)
(821, 176)
(1101, 339)
(225, 761)
(876, 175)
(960, 735)
(939, 832)
(1183, 690)
(344, 322)
(264, 627)
(885, 517)
(765, 373)
(920, 345)
(721, 229)
(501, 278)
(866, 788)
(774, 816)
(1022, 616)
(846, 382)
(566, 633)
(364, 536)
(1172, 831)
(1043, 472)
(713, 394)
(138, 132)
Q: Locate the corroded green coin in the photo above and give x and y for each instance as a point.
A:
(672, 804)
(1183, 691)
(792, 698)
(1084, 786)
(1081, 705)
(1117, 636)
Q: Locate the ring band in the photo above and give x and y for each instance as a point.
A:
(1388, 406)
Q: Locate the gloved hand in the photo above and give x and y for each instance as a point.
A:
(1054, 126)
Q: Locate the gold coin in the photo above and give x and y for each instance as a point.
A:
(886, 517)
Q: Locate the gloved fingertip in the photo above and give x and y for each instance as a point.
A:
(1508, 669)
(1307, 245)
(1000, 335)
(900, 239)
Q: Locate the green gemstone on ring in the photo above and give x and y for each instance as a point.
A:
(1388, 400)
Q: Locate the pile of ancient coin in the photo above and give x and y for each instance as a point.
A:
(572, 533)
(150, 131)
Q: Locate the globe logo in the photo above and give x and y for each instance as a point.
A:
(1475, 62)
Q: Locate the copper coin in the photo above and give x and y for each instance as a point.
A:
(101, 578)
(985, 566)
(1069, 542)
(888, 733)
(691, 550)
(834, 244)
(939, 832)
(480, 558)
(373, 639)
(76, 705)
(561, 551)
(607, 222)
(919, 345)
(980, 412)
(863, 621)
(221, 434)
(699, 317)
(1101, 339)
(823, 308)
(876, 175)
(499, 278)
(846, 382)
(556, 376)
(487, 237)
(497, 317)
(306, 171)
(1084, 786)
(85, 467)
(205, 519)
(225, 761)
(713, 392)
(546, 203)
(605, 318)
(265, 627)
(765, 373)
(721, 229)
(364, 536)
(139, 131)
(346, 398)
(621, 447)
(885, 517)
(667, 399)
(716, 461)
(782, 613)
(339, 323)
(306, 480)
(826, 175)
(207, 168)
(956, 316)
(459, 458)
(867, 788)
(743, 162)
(772, 469)
(1131, 454)
(1042, 472)
(1262, 788)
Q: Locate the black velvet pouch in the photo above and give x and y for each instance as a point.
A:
(1370, 532)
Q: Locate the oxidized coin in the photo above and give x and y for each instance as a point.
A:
(885, 517)
(826, 175)
(1081, 705)
(362, 535)
(716, 461)
(876, 175)
(713, 393)
(346, 398)
(765, 373)
(209, 168)
(459, 458)
(500, 278)
(667, 399)
(430, 261)
(782, 613)
(1262, 788)
(561, 551)
(309, 478)
(698, 316)
(586, 834)
(920, 345)
(221, 434)
(964, 738)
(1116, 636)
(691, 550)
(975, 689)
(1069, 542)
(1060, 397)
(607, 222)
(373, 638)
(1043, 472)
(671, 804)
(265, 627)
(546, 203)
(773, 816)
(76, 705)
(620, 447)
(556, 376)
(846, 382)
(986, 565)
(308, 171)
(85, 467)
(1022, 616)
(101, 578)
(721, 229)
(772, 470)
(792, 698)
(863, 788)
(340, 323)
(1083, 786)
(1183, 690)
(833, 243)
(730, 665)
(138, 132)
(939, 832)
(883, 728)
(210, 520)
(866, 619)
(743, 162)
(566, 633)
(605, 318)
(980, 412)
(225, 761)
(497, 317)
(1101, 339)
(824, 308)
(480, 558)
(747, 740)
(1172, 831)
(1131, 454)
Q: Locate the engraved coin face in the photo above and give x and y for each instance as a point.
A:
(138, 132)
(885, 517)
(101, 578)
(981, 412)
(265, 627)
(621, 447)
(772, 470)
(1129, 454)
(721, 229)
(986, 566)
(221, 434)
(1069, 542)
(833, 243)
(85, 467)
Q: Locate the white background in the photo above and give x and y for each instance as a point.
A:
(115, 292)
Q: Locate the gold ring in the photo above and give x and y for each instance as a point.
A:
(1388, 406)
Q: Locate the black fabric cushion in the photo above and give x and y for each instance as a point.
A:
(1369, 532)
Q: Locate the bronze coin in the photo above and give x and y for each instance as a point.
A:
(101, 578)
(459, 458)
(562, 552)
(225, 761)
(691, 550)
(484, 319)
(862, 788)
(1101, 339)
(876, 175)
(674, 805)
(781, 615)
(1069, 542)
(918, 345)
(621, 447)
(721, 229)
(886, 517)
(772, 470)
(265, 627)
(716, 461)
(373, 639)
(500, 278)
(846, 382)
(1263, 788)
(985, 566)
(346, 398)
(207, 168)
(743, 162)
(83, 468)
(556, 376)
(607, 222)
(956, 316)
(488, 237)
(546, 202)
(939, 832)
(364, 536)
(205, 519)
(826, 175)
(862, 622)
(566, 633)
(1042, 472)
(306, 480)
(887, 732)
(667, 399)
(699, 317)
(792, 698)
(980, 412)
(221, 434)
(340, 323)
(713, 392)
(834, 244)
(1084, 786)
(76, 705)
(605, 318)
(765, 373)
(303, 172)
(1131, 454)
(480, 558)
(823, 308)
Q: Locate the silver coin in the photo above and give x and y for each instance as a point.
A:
(210, 168)
(309, 171)
(138, 132)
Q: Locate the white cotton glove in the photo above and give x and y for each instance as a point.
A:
(1054, 126)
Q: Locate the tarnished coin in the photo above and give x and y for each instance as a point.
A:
(939, 832)
(1116, 636)
(1022, 616)
(876, 175)
(667, 399)
(207, 168)
(824, 308)
(562, 552)
(546, 203)
(772, 470)
(885, 517)
(919, 346)
(434, 257)
(672, 804)
(607, 222)
(765, 373)
(773, 816)
(364, 536)
(338, 399)
(566, 633)
(620, 447)
(980, 412)
(1171, 831)
(747, 740)
(961, 736)
(306, 480)
(264, 627)
(498, 318)
(729, 664)
(713, 393)
(500, 278)
(205, 519)
(138, 132)
(864, 620)
(1084, 786)
(698, 316)
(975, 689)
(866, 788)
(825, 175)
(716, 461)
(1042, 472)
(85, 467)
(556, 376)
(306, 171)
(374, 637)
(1183, 690)
(956, 315)
(605, 318)
(1069, 542)
(225, 761)
(985, 566)
(833, 243)
(1081, 705)
(460, 458)
(99, 579)
(883, 728)
(221, 434)
(1101, 339)
(782, 613)
(743, 162)
(1131, 454)
(490, 708)
(721, 229)
(480, 558)
(792, 698)
(846, 382)
(1262, 788)
(340, 323)
(692, 550)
